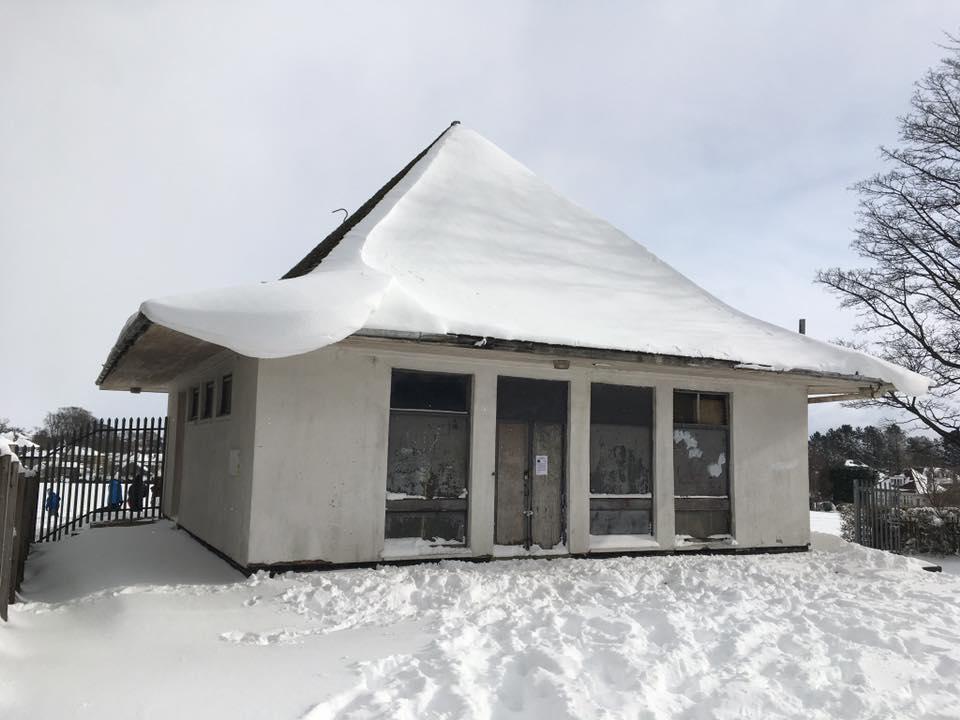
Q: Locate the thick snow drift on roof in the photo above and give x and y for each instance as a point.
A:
(471, 242)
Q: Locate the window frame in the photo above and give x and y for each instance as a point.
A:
(193, 403)
(705, 500)
(624, 499)
(207, 405)
(433, 505)
(226, 381)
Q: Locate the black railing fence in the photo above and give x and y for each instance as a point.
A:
(111, 470)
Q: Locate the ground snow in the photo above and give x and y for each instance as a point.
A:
(471, 242)
(853, 634)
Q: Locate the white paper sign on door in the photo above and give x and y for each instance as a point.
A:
(541, 465)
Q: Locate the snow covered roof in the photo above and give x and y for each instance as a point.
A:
(467, 241)
(18, 440)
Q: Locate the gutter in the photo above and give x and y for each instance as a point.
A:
(128, 336)
(870, 387)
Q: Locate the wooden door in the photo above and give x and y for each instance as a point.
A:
(513, 460)
(546, 485)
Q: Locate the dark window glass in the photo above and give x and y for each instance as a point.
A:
(701, 463)
(428, 456)
(429, 391)
(208, 399)
(621, 459)
(194, 403)
(526, 399)
(226, 395)
(685, 407)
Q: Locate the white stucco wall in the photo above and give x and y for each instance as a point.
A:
(215, 495)
(320, 449)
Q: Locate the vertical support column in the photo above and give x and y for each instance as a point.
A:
(663, 503)
(483, 451)
(578, 464)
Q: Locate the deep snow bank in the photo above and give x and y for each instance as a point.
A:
(471, 242)
(852, 634)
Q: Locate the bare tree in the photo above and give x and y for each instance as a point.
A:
(908, 294)
(7, 427)
(64, 422)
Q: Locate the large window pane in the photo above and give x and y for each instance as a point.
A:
(701, 464)
(428, 456)
(621, 459)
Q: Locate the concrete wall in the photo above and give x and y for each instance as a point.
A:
(217, 476)
(320, 460)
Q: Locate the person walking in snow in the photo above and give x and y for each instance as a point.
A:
(115, 498)
(52, 504)
(137, 492)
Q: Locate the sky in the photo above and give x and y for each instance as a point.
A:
(152, 149)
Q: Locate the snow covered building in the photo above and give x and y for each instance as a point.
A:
(473, 365)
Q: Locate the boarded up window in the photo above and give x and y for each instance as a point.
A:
(428, 452)
(701, 464)
(621, 460)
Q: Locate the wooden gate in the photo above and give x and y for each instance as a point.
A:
(110, 471)
(876, 523)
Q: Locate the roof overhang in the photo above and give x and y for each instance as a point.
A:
(148, 357)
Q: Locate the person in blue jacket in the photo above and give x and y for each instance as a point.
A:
(115, 498)
(52, 504)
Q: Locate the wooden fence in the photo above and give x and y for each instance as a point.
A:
(19, 496)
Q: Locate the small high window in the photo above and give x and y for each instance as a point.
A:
(208, 389)
(194, 403)
(701, 463)
(226, 395)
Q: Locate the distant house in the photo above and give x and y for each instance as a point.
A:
(917, 484)
(473, 365)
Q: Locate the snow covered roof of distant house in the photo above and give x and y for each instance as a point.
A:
(19, 440)
(466, 241)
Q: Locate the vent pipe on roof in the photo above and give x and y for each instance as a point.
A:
(803, 326)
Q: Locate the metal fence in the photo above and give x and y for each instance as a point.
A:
(876, 522)
(111, 470)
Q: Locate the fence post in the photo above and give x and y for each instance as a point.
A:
(7, 503)
(857, 532)
(28, 507)
(16, 550)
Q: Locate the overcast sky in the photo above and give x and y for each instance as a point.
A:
(147, 151)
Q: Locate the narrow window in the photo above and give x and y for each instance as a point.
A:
(701, 464)
(226, 395)
(194, 403)
(208, 399)
(621, 460)
(427, 462)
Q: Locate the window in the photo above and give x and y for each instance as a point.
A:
(194, 403)
(427, 463)
(621, 460)
(208, 399)
(226, 395)
(701, 462)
